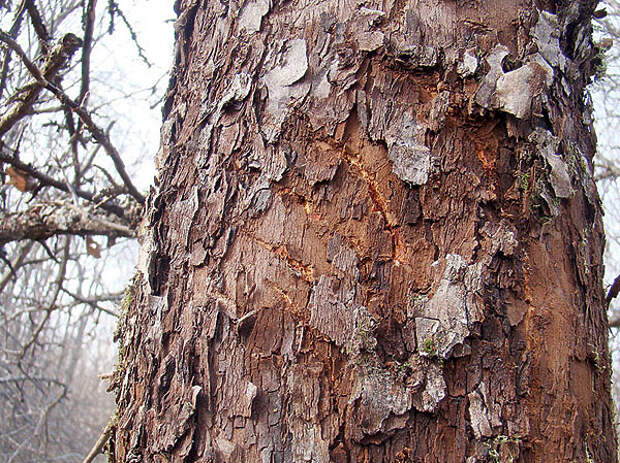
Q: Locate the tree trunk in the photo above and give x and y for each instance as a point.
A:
(375, 238)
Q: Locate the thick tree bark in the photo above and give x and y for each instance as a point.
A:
(375, 238)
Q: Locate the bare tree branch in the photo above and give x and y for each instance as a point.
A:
(13, 31)
(64, 50)
(98, 447)
(37, 23)
(614, 290)
(57, 58)
(88, 20)
(14, 379)
(101, 138)
(57, 218)
(13, 45)
(51, 306)
(46, 180)
(114, 9)
(17, 262)
(94, 301)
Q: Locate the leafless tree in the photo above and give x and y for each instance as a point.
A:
(67, 196)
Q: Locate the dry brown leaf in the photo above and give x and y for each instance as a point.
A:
(93, 248)
(21, 180)
(606, 43)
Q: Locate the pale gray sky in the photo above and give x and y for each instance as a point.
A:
(137, 131)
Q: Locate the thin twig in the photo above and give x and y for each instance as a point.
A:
(39, 27)
(49, 181)
(13, 31)
(614, 290)
(17, 263)
(101, 138)
(55, 60)
(94, 302)
(88, 20)
(13, 45)
(98, 447)
(113, 8)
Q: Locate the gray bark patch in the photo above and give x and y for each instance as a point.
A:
(376, 404)
(292, 64)
(514, 91)
(411, 162)
(251, 17)
(469, 64)
(547, 37)
(411, 157)
(559, 176)
(443, 322)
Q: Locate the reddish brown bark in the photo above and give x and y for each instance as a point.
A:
(375, 238)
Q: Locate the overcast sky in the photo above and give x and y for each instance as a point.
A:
(137, 131)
